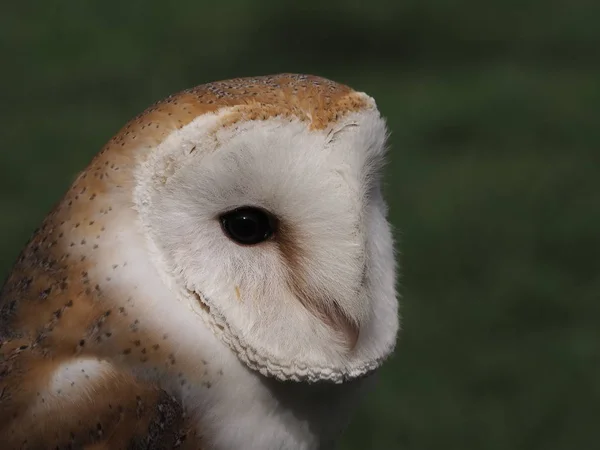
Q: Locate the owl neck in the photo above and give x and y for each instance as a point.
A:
(234, 407)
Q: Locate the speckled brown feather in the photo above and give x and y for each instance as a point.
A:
(52, 311)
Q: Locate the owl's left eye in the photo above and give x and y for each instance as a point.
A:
(248, 225)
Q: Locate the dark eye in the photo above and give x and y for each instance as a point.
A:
(248, 225)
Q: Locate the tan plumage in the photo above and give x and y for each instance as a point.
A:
(55, 310)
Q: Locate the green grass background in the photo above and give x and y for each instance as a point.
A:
(493, 178)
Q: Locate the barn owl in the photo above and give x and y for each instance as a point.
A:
(221, 276)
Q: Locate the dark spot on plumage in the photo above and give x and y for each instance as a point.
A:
(45, 293)
(7, 311)
(25, 283)
(137, 342)
(139, 407)
(127, 351)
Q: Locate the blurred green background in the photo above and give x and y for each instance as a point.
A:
(493, 177)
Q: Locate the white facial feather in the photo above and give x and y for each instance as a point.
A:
(324, 185)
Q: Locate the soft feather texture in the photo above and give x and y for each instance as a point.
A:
(130, 320)
(280, 312)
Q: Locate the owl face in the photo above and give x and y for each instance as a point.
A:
(274, 232)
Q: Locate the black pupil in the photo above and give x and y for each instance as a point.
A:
(247, 225)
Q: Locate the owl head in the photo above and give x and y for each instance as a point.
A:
(259, 205)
